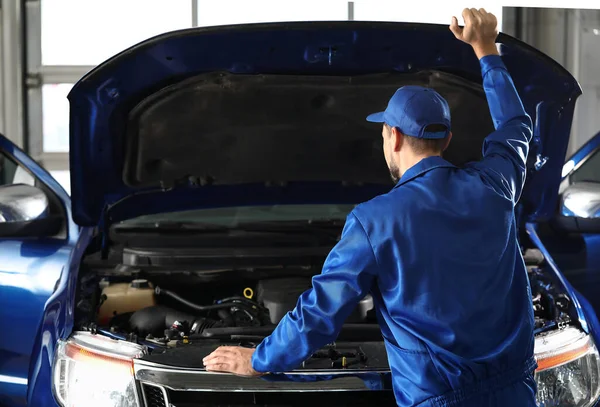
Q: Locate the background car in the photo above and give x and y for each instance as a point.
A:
(212, 170)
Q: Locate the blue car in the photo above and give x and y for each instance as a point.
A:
(212, 170)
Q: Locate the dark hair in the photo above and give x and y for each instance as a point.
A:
(428, 146)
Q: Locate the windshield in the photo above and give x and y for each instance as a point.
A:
(231, 217)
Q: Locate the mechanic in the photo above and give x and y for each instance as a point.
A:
(432, 252)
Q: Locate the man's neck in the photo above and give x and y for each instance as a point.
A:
(413, 160)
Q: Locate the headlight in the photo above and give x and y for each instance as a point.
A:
(568, 371)
(92, 370)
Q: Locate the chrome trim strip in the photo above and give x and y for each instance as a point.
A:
(139, 364)
(187, 379)
(143, 391)
(13, 380)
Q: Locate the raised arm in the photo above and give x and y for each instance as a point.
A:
(505, 150)
(348, 274)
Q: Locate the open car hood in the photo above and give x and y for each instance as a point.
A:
(275, 113)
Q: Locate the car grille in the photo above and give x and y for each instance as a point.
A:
(154, 396)
(268, 399)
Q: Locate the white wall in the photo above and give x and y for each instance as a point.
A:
(588, 114)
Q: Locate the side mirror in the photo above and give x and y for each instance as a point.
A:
(25, 212)
(580, 208)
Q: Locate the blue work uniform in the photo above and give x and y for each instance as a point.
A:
(440, 256)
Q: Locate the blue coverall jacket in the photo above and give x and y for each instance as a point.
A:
(439, 253)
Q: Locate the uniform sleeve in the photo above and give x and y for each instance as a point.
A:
(348, 274)
(505, 150)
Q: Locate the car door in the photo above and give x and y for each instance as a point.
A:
(33, 253)
(575, 245)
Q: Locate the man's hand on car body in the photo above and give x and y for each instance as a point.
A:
(231, 359)
(480, 31)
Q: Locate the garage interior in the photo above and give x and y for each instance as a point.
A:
(186, 298)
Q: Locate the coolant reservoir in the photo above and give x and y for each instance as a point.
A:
(125, 297)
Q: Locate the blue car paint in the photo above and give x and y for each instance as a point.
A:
(57, 324)
(29, 271)
(100, 100)
(91, 100)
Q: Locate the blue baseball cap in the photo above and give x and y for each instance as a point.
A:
(412, 109)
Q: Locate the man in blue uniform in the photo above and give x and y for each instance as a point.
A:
(432, 252)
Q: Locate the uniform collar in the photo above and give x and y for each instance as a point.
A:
(426, 164)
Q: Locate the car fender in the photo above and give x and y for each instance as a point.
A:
(57, 323)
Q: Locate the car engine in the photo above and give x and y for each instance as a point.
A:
(162, 315)
(550, 307)
(163, 309)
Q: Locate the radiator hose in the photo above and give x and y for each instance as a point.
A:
(203, 308)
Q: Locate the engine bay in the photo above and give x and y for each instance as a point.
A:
(173, 310)
(552, 309)
(246, 311)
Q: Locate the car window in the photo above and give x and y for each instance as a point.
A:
(13, 173)
(589, 170)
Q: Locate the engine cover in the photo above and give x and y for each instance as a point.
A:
(280, 295)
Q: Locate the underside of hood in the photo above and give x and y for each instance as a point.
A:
(276, 113)
(236, 129)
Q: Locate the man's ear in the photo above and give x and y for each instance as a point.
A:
(447, 141)
(397, 139)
